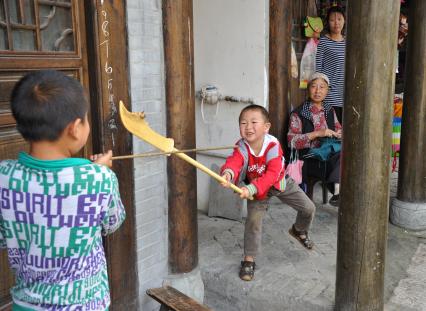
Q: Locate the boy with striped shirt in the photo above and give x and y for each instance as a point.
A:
(54, 209)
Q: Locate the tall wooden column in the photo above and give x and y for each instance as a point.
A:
(109, 73)
(180, 97)
(363, 212)
(279, 65)
(409, 210)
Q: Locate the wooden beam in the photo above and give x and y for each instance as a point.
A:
(280, 22)
(180, 99)
(363, 211)
(412, 161)
(109, 72)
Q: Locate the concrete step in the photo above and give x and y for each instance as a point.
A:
(289, 277)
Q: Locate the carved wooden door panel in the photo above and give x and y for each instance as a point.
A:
(35, 34)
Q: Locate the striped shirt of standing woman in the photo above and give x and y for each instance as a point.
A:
(330, 58)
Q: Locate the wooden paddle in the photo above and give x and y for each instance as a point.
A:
(135, 123)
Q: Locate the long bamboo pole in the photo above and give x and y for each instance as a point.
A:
(136, 124)
(154, 154)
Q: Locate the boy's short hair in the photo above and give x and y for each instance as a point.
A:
(254, 107)
(44, 102)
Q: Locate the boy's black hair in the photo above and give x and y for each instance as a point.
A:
(331, 10)
(44, 102)
(261, 109)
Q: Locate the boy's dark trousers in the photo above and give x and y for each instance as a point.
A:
(292, 196)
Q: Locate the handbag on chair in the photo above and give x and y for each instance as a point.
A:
(294, 167)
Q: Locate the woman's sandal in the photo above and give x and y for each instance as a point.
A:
(302, 237)
(247, 270)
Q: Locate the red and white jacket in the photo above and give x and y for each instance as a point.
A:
(261, 171)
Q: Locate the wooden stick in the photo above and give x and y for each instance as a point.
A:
(208, 171)
(153, 154)
(135, 123)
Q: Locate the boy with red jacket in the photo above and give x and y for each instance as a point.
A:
(259, 163)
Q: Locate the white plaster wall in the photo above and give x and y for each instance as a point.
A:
(230, 52)
(147, 94)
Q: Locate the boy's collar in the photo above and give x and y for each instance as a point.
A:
(266, 140)
(51, 165)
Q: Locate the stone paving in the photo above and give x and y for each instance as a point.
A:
(288, 277)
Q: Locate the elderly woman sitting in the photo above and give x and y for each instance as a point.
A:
(309, 123)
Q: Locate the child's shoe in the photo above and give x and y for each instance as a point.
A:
(247, 270)
(302, 237)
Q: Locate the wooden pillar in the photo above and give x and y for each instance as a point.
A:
(109, 71)
(363, 212)
(408, 210)
(280, 14)
(412, 162)
(180, 98)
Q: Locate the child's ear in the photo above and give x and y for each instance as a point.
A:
(267, 127)
(73, 128)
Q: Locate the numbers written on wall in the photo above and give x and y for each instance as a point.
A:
(108, 68)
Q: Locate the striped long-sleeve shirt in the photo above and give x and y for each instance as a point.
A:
(330, 60)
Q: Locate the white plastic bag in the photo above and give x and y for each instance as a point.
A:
(294, 69)
(294, 170)
(307, 64)
(294, 167)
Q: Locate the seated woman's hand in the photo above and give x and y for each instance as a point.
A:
(327, 133)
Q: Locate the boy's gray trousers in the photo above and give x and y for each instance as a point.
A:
(293, 196)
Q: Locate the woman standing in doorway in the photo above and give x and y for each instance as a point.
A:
(330, 58)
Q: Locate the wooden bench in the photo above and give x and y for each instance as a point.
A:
(173, 300)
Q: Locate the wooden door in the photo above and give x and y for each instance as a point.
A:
(34, 35)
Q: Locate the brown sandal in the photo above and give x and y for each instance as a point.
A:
(302, 237)
(247, 270)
